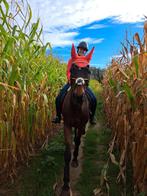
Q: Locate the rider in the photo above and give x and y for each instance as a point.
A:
(82, 48)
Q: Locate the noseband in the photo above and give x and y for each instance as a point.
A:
(80, 81)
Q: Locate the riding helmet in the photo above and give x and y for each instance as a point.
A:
(83, 45)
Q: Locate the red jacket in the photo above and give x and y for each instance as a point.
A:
(81, 61)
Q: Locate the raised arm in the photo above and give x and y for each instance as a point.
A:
(68, 69)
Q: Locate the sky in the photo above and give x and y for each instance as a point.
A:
(103, 24)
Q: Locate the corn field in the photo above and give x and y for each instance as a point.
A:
(125, 100)
(29, 81)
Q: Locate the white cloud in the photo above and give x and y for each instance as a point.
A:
(58, 38)
(119, 56)
(116, 56)
(97, 26)
(97, 41)
(90, 40)
(139, 26)
(68, 15)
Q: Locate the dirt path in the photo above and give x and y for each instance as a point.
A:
(75, 172)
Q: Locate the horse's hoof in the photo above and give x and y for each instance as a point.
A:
(74, 163)
(66, 192)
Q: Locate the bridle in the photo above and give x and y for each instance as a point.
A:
(78, 86)
(84, 80)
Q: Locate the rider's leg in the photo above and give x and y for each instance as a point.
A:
(93, 104)
(58, 103)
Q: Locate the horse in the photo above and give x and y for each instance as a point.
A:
(75, 112)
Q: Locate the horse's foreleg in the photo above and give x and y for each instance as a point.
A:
(77, 140)
(67, 157)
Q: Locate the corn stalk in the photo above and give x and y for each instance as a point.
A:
(29, 81)
(125, 93)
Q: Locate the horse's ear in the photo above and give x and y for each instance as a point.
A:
(89, 55)
(73, 52)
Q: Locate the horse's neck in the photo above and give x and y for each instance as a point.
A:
(76, 102)
(72, 109)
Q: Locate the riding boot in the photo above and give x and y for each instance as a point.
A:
(57, 119)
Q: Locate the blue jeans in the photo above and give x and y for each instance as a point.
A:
(62, 93)
(92, 100)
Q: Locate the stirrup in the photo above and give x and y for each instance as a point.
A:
(92, 121)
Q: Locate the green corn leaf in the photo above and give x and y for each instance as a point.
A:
(34, 29)
(129, 94)
(48, 45)
(6, 6)
(113, 85)
(3, 15)
(4, 18)
(136, 65)
(39, 34)
(8, 46)
(14, 30)
(30, 16)
(13, 75)
(3, 31)
(111, 82)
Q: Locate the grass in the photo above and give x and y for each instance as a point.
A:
(43, 171)
(95, 151)
(95, 155)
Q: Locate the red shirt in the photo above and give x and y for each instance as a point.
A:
(68, 69)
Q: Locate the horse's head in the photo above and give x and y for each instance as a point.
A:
(79, 87)
(79, 79)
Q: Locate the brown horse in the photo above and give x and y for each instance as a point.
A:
(75, 113)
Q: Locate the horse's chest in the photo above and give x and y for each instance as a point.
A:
(79, 118)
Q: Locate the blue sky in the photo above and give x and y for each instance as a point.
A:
(110, 45)
(102, 24)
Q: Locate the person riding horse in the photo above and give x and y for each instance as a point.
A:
(82, 49)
